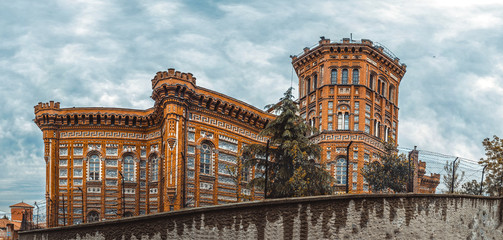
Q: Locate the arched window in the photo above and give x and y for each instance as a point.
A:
(346, 121)
(333, 76)
(94, 167)
(356, 76)
(340, 171)
(344, 76)
(383, 88)
(205, 161)
(93, 216)
(128, 168)
(154, 168)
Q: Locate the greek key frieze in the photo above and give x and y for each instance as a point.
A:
(102, 134)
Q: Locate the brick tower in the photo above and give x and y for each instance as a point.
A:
(348, 93)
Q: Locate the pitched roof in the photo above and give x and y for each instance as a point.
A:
(22, 204)
(4, 222)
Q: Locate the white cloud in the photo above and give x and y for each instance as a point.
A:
(94, 53)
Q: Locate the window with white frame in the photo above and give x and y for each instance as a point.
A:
(94, 167)
(340, 172)
(63, 172)
(63, 162)
(77, 172)
(205, 159)
(154, 168)
(128, 168)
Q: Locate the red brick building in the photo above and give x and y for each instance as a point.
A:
(348, 91)
(104, 163)
(21, 218)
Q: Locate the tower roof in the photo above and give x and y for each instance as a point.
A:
(21, 205)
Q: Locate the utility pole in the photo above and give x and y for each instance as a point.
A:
(82, 198)
(453, 174)
(266, 169)
(482, 180)
(122, 197)
(347, 166)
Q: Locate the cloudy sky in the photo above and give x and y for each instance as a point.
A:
(93, 53)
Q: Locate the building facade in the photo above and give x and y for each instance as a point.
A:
(422, 183)
(105, 163)
(21, 220)
(348, 92)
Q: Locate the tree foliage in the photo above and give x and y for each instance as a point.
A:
(448, 177)
(292, 169)
(472, 187)
(390, 173)
(494, 163)
(237, 174)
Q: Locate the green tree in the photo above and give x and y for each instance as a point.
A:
(238, 173)
(494, 163)
(472, 188)
(448, 177)
(390, 173)
(292, 169)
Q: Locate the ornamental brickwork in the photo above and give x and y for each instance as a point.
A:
(348, 92)
(105, 163)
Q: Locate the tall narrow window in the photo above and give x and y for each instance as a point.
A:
(356, 76)
(94, 168)
(344, 76)
(383, 89)
(340, 173)
(355, 123)
(371, 82)
(128, 168)
(346, 121)
(340, 121)
(154, 168)
(333, 76)
(379, 86)
(308, 83)
(315, 82)
(205, 161)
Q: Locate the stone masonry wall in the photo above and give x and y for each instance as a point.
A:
(376, 216)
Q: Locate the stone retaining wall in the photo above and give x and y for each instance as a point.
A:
(376, 216)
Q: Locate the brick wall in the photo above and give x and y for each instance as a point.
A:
(400, 216)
